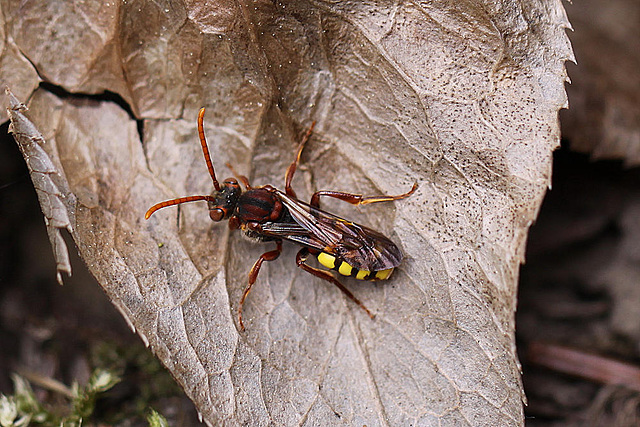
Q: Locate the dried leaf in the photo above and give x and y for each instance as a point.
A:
(15, 69)
(462, 98)
(46, 179)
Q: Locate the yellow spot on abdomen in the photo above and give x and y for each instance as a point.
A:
(362, 274)
(327, 260)
(331, 262)
(384, 274)
(345, 269)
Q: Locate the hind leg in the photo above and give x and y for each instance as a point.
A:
(301, 260)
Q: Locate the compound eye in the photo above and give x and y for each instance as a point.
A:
(216, 214)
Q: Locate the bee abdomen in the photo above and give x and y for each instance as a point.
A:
(346, 269)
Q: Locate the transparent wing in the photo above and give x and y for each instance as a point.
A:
(361, 247)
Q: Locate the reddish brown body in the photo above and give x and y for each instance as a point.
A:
(258, 205)
(268, 214)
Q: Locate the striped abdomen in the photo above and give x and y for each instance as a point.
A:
(345, 269)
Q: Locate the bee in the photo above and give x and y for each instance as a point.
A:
(270, 215)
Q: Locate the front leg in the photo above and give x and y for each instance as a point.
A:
(357, 199)
(253, 275)
(292, 168)
(242, 178)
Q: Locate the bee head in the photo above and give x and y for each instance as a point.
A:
(223, 202)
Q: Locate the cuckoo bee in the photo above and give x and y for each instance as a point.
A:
(271, 215)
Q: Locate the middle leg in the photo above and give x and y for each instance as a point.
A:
(253, 275)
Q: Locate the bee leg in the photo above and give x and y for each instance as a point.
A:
(357, 199)
(292, 167)
(253, 275)
(242, 178)
(301, 260)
